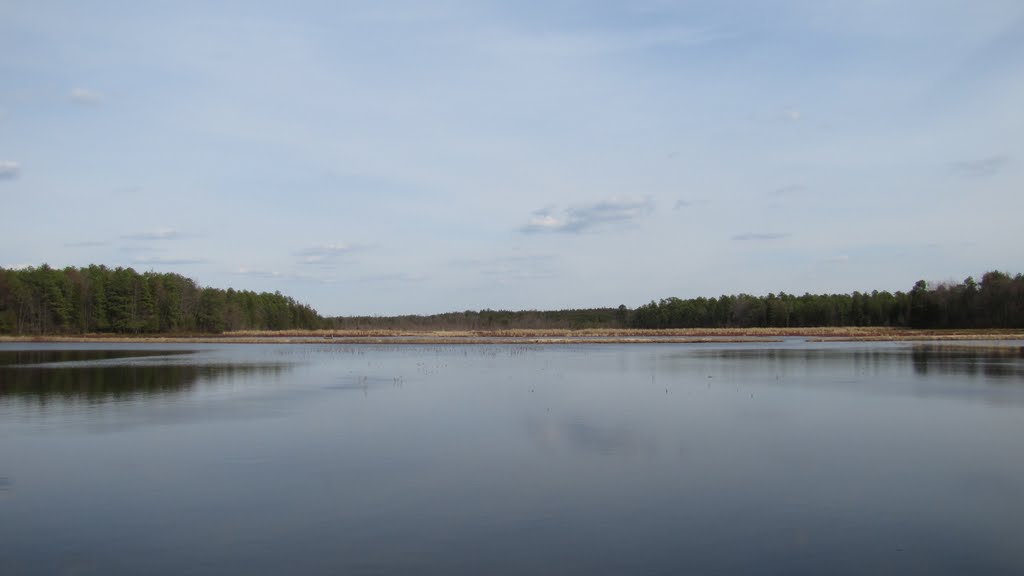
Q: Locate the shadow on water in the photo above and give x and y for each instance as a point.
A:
(110, 375)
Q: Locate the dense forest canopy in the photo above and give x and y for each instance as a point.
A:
(46, 300)
(997, 302)
(98, 299)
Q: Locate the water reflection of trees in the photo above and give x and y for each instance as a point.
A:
(967, 360)
(990, 362)
(859, 358)
(81, 380)
(43, 356)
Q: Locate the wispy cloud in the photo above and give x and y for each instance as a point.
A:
(684, 203)
(754, 236)
(86, 96)
(86, 244)
(9, 169)
(166, 261)
(780, 197)
(789, 190)
(580, 218)
(841, 259)
(18, 266)
(324, 253)
(670, 36)
(395, 278)
(158, 234)
(514, 267)
(594, 43)
(328, 249)
(258, 272)
(981, 167)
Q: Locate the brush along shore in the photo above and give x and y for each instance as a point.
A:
(595, 336)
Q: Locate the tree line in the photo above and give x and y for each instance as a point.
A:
(996, 302)
(98, 299)
(487, 319)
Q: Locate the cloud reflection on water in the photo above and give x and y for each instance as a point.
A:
(582, 436)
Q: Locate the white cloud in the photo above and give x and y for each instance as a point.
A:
(545, 221)
(580, 218)
(86, 96)
(9, 169)
(325, 254)
(473, 120)
(257, 272)
(324, 250)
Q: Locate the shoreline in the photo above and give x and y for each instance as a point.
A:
(547, 336)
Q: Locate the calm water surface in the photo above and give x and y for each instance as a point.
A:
(761, 458)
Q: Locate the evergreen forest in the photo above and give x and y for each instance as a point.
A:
(97, 299)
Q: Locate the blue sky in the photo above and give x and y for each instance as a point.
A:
(420, 157)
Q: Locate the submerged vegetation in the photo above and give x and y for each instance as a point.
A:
(101, 300)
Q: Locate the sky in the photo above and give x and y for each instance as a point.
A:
(397, 157)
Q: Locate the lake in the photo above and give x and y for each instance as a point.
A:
(753, 458)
